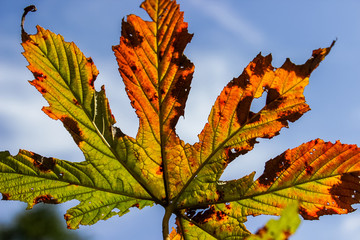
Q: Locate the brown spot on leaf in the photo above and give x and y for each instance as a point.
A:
(5, 196)
(39, 76)
(44, 164)
(253, 117)
(46, 199)
(220, 195)
(243, 110)
(273, 168)
(292, 116)
(262, 231)
(154, 97)
(95, 72)
(242, 82)
(347, 192)
(136, 205)
(325, 211)
(67, 217)
(48, 112)
(308, 169)
(315, 215)
(272, 95)
(91, 81)
(261, 64)
(231, 153)
(42, 90)
(160, 170)
(133, 68)
(130, 36)
(72, 126)
(181, 90)
(204, 216)
(307, 216)
(182, 38)
(287, 234)
(76, 102)
(116, 132)
(220, 215)
(160, 55)
(228, 206)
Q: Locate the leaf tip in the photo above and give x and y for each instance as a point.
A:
(24, 36)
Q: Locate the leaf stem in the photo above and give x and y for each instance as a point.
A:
(165, 223)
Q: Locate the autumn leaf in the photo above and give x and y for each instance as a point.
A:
(157, 167)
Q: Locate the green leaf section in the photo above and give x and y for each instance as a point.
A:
(282, 228)
(31, 178)
(106, 180)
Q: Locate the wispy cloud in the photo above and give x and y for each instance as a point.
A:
(230, 20)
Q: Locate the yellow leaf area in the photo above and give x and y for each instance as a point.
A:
(120, 172)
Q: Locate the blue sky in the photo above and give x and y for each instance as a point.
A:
(228, 35)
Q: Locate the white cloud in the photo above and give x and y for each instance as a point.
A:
(230, 20)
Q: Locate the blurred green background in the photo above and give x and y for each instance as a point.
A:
(41, 223)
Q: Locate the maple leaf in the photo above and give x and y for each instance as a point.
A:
(157, 167)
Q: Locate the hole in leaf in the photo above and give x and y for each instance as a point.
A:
(258, 103)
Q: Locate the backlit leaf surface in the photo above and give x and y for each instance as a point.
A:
(280, 229)
(156, 166)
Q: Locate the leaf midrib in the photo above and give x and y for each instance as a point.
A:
(77, 184)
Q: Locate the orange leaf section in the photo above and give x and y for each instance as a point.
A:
(174, 235)
(156, 74)
(232, 124)
(323, 176)
(232, 128)
(157, 77)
